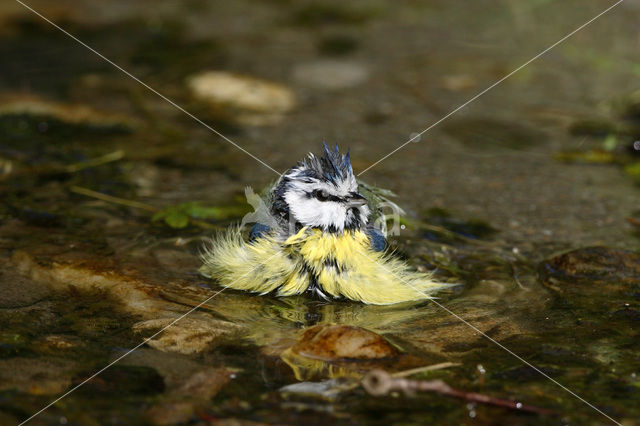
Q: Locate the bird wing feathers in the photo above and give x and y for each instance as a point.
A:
(342, 265)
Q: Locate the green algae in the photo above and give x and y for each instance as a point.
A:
(181, 215)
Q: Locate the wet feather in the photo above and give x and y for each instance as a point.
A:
(343, 265)
(318, 229)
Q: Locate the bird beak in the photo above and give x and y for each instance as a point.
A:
(356, 200)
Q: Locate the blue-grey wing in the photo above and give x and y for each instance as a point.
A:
(258, 230)
(377, 239)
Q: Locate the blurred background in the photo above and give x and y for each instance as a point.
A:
(365, 75)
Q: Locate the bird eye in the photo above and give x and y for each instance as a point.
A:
(321, 195)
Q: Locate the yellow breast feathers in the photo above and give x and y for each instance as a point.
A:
(340, 265)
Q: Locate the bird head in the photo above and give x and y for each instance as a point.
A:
(322, 192)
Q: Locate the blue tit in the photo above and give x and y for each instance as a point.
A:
(324, 233)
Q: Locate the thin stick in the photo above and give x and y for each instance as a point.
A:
(380, 383)
(6, 170)
(433, 367)
(111, 199)
(107, 158)
(135, 204)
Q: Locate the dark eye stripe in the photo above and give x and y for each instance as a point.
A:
(322, 196)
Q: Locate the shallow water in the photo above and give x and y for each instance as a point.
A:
(489, 206)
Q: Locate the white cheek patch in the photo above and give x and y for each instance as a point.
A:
(309, 211)
(312, 212)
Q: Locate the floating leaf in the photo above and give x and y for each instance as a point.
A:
(179, 216)
(195, 210)
(610, 143)
(176, 219)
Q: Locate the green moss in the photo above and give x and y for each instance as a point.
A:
(181, 215)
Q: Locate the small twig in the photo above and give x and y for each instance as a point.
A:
(7, 169)
(380, 383)
(112, 199)
(130, 203)
(107, 158)
(433, 367)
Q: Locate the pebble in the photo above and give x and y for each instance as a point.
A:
(331, 74)
(333, 342)
(241, 99)
(69, 114)
(190, 335)
(459, 82)
(327, 389)
(187, 336)
(598, 265)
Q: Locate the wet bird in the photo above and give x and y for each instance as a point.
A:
(322, 231)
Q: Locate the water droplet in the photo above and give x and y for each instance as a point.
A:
(402, 227)
(518, 405)
(481, 369)
(63, 420)
(415, 137)
(472, 414)
(636, 145)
